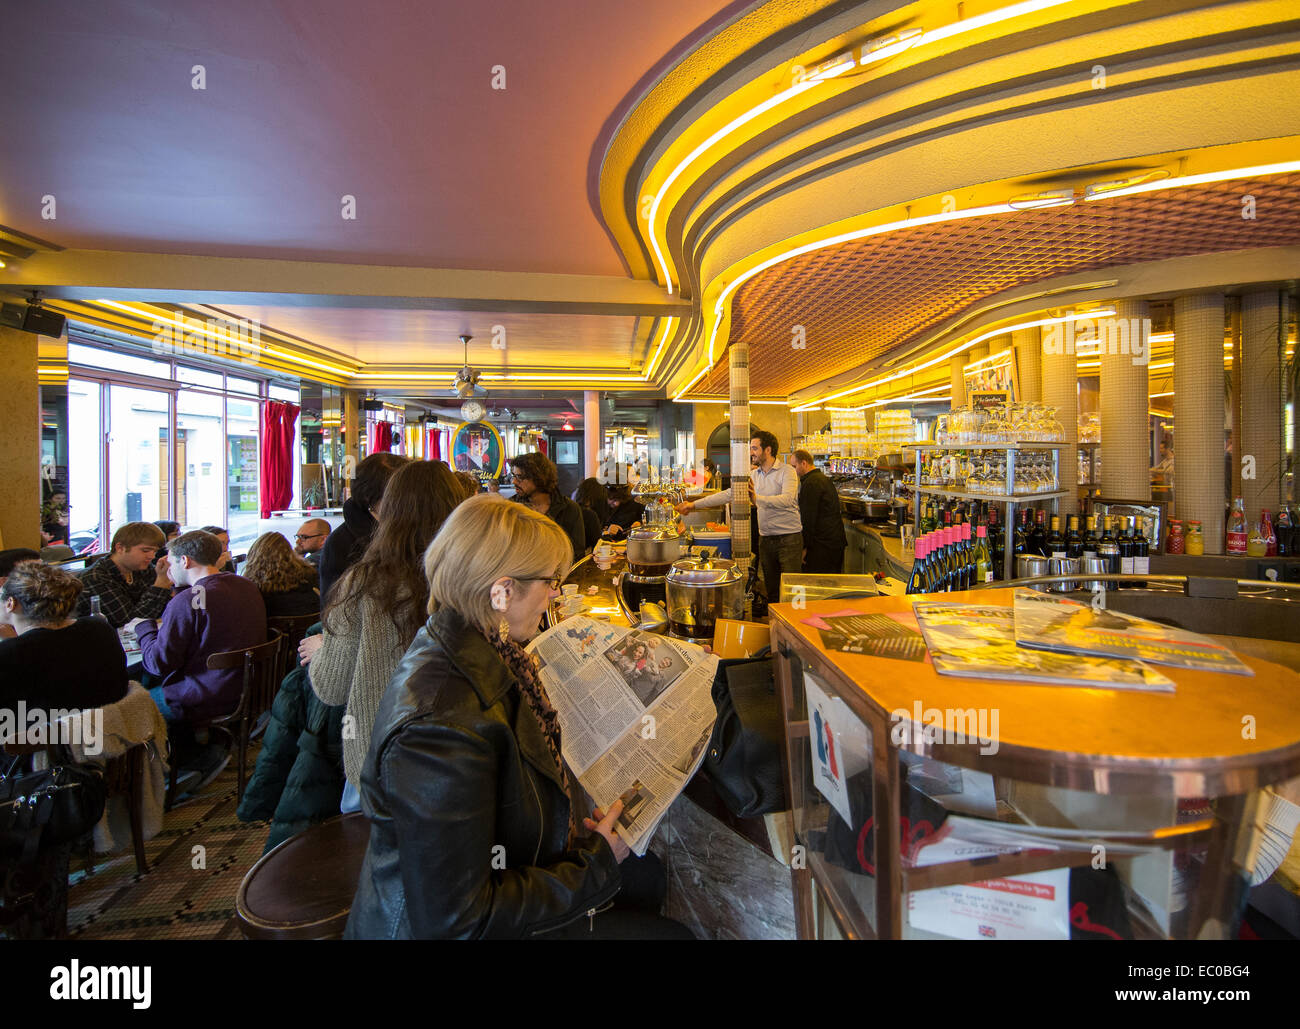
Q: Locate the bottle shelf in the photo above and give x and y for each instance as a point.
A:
(1000, 498)
(985, 446)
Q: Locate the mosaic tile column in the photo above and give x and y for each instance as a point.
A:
(1198, 415)
(1125, 427)
(738, 376)
(1029, 363)
(1060, 389)
(1262, 333)
(956, 368)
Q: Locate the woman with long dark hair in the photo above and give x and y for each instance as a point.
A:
(374, 611)
(592, 499)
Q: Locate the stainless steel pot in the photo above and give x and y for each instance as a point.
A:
(651, 552)
(1029, 566)
(701, 590)
(1096, 565)
(1062, 566)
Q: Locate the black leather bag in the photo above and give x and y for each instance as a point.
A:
(744, 757)
(46, 808)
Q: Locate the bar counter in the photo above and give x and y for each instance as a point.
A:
(1218, 736)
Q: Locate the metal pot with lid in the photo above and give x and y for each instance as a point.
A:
(651, 550)
(700, 590)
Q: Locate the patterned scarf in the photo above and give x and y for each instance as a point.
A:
(524, 667)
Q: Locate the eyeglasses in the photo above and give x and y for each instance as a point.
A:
(309, 536)
(552, 583)
(516, 477)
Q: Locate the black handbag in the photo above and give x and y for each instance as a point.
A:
(744, 757)
(46, 808)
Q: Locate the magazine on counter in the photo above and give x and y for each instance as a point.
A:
(1045, 622)
(980, 642)
(636, 713)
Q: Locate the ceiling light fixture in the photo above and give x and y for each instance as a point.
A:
(1047, 198)
(1114, 185)
(878, 50)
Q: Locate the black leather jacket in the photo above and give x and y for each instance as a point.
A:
(458, 767)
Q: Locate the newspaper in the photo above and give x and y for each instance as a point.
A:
(980, 642)
(636, 713)
(1052, 623)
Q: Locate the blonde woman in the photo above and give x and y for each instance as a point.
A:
(473, 831)
(289, 585)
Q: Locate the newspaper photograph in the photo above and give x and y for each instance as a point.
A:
(636, 713)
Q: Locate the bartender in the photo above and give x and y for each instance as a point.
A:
(824, 540)
(774, 491)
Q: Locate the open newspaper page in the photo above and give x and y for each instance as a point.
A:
(636, 713)
(980, 642)
(1045, 622)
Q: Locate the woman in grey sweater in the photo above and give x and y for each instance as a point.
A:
(375, 610)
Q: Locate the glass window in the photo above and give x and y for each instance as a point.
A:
(85, 485)
(197, 377)
(242, 434)
(201, 489)
(138, 481)
(284, 393)
(93, 357)
(243, 386)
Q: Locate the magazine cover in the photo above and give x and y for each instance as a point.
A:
(1046, 622)
(980, 642)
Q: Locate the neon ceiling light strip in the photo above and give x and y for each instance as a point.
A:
(904, 373)
(654, 361)
(1280, 168)
(828, 70)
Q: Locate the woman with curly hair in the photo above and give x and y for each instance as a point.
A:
(289, 584)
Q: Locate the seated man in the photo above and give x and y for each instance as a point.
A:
(310, 539)
(226, 563)
(212, 612)
(127, 588)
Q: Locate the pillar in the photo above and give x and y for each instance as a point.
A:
(957, 367)
(1125, 426)
(1198, 414)
(1060, 389)
(1263, 331)
(738, 377)
(352, 437)
(1029, 363)
(20, 443)
(591, 438)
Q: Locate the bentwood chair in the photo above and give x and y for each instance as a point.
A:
(293, 628)
(260, 666)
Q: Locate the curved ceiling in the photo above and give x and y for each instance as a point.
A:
(753, 193)
(858, 302)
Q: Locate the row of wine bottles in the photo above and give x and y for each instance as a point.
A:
(948, 559)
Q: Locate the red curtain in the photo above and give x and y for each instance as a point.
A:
(434, 449)
(275, 470)
(381, 437)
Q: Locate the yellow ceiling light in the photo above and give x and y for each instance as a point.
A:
(962, 348)
(1254, 171)
(1152, 396)
(873, 52)
(654, 361)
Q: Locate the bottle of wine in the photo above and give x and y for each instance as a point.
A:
(967, 557)
(1038, 535)
(998, 542)
(1125, 543)
(1141, 554)
(1055, 543)
(1108, 550)
(1021, 545)
(983, 556)
(1073, 541)
(1090, 538)
(916, 581)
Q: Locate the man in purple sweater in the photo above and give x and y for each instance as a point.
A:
(211, 612)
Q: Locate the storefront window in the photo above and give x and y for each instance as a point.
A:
(200, 492)
(241, 469)
(138, 451)
(85, 449)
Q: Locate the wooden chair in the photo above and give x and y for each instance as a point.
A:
(125, 776)
(261, 668)
(293, 628)
(303, 889)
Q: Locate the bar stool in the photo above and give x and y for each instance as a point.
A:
(303, 889)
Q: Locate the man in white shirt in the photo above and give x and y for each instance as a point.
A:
(774, 489)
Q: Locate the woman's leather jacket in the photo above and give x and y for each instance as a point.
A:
(468, 816)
